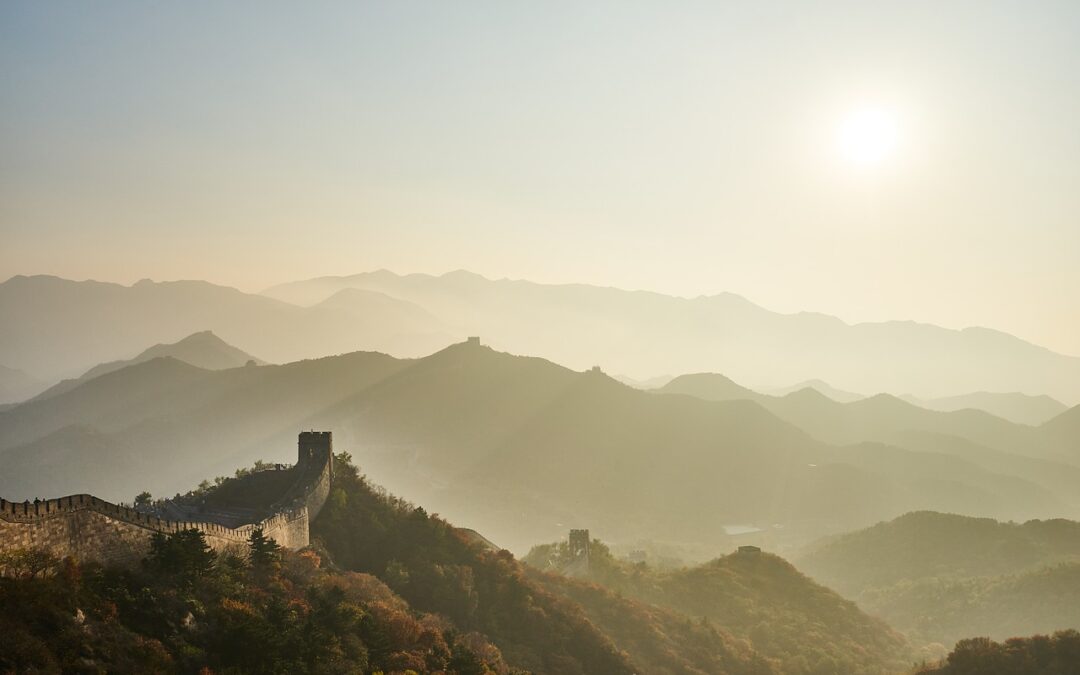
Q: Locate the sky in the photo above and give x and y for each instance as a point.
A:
(684, 147)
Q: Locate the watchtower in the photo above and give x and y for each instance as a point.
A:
(579, 544)
(313, 445)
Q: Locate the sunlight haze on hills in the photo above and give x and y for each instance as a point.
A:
(489, 338)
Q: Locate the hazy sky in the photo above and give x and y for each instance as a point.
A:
(688, 148)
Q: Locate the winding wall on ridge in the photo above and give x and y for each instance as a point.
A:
(87, 528)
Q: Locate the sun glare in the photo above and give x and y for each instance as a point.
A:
(867, 136)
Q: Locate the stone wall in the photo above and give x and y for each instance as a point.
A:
(87, 528)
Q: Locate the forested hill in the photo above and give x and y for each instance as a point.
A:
(926, 544)
(386, 587)
(758, 597)
(440, 570)
(942, 577)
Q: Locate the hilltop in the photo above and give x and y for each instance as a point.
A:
(202, 350)
(820, 386)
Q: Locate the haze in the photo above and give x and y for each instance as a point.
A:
(688, 150)
(552, 338)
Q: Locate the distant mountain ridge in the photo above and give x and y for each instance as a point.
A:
(202, 350)
(1015, 407)
(56, 328)
(637, 333)
(886, 418)
(821, 386)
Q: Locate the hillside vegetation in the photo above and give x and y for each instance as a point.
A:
(186, 610)
(1057, 654)
(941, 577)
(438, 569)
(757, 597)
(386, 588)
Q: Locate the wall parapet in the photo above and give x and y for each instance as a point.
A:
(89, 528)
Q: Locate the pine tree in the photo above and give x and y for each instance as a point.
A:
(264, 551)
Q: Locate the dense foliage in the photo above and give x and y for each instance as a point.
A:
(661, 641)
(1057, 654)
(801, 626)
(189, 611)
(946, 610)
(436, 569)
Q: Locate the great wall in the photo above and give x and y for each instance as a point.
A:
(87, 528)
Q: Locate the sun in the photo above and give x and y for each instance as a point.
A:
(868, 136)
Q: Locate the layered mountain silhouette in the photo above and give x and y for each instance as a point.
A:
(55, 328)
(640, 334)
(888, 419)
(521, 448)
(202, 350)
(817, 385)
(1015, 407)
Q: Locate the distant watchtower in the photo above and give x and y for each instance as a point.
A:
(314, 445)
(579, 544)
(473, 340)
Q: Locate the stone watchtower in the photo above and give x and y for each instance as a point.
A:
(579, 544)
(314, 445)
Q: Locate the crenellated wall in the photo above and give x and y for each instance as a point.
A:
(87, 528)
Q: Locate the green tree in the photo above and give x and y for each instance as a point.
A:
(183, 555)
(263, 551)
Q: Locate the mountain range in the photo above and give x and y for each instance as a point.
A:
(202, 350)
(641, 334)
(1014, 406)
(521, 448)
(56, 328)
